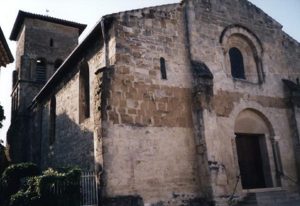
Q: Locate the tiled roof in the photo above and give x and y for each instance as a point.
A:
(22, 15)
(5, 54)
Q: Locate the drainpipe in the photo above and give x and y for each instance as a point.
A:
(197, 112)
(102, 130)
(187, 31)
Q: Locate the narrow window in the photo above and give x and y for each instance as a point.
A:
(237, 63)
(40, 70)
(84, 92)
(52, 120)
(163, 68)
(51, 42)
(15, 78)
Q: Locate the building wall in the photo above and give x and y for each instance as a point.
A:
(33, 43)
(207, 21)
(74, 140)
(172, 141)
(144, 103)
(149, 148)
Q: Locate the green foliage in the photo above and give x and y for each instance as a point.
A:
(28, 194)
(68, 183)
(17, 171)
(2, 117)
(42, 189)
(12, 178)
(3, 158)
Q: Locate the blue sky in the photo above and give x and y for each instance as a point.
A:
(286, 12)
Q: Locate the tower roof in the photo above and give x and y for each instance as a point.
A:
(22, 15)
(5, 54)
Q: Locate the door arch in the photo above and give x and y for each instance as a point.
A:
(254, 149)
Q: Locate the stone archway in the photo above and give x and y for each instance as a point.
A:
(253, 149)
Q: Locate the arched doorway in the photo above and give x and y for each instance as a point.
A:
(253, 149)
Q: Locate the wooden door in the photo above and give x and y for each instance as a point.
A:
(250, 161)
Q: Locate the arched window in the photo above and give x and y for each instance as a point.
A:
(237, 63)
(243, 52)
(84, 91)
(41, 70)
(52, 120)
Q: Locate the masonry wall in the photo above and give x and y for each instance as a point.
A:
(207, 21)
(149, 148)
(33, 43)
(74, 140)
(172, 141)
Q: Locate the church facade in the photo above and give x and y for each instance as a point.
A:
(169, 105)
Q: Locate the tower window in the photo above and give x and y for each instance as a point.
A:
(163, 68)
(51, 42)
(52, 120)
(15, 78)
(237, 63)
(40, 70)
(84, 92)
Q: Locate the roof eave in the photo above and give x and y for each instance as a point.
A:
(22, 15)
(6, 47)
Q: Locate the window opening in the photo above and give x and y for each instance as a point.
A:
(40, 70)
(163, 68)
(237, 63)
(15, 78)
(52, 120)
(51, 42)
(84, 92)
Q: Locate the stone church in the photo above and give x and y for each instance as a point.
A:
(179, 104)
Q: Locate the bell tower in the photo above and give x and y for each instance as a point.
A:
(43, 43)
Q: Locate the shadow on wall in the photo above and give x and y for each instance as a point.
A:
(71, 145)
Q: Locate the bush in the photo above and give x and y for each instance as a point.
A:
(13, 176)
(3, 158)
(68, 184)
(18, 171)
(42, 190)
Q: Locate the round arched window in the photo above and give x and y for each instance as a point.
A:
(237, 63)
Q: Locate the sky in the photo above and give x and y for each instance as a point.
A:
(286, 12)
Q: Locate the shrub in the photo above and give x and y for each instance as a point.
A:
(68, 184)
(3, 158)
(43, 189)
(13, 176)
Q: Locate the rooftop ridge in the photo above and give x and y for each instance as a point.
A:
(4, 49)
(22, 15)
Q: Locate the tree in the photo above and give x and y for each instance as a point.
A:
(2, 117)
(3, 159)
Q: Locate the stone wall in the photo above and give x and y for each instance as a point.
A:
(74, 140)
(231, 96)
(144, 108)
(172, 141)
(149, 149)
(33, 43)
